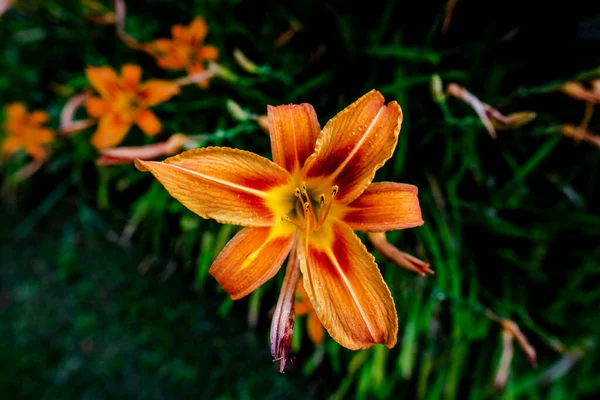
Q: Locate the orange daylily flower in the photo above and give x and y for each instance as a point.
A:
(185, 50)
(315, 330)
(124, 101)
(26, 131)
(314, 194)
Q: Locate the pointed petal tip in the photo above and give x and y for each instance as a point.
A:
(141, 165)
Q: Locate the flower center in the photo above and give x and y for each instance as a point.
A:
(127, 105)
(309, 214)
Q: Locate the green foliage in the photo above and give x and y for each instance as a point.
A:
(104, 290)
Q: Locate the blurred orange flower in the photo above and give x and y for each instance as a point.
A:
(185, 50)
(124, 101)
(25, 131)
(303, 306)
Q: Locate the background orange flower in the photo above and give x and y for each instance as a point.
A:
(124, 101)
(25, 131)
(185, 50)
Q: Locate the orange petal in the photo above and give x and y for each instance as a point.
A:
(228, 185)
(37, 152)
(208, 53)
(103, 79)
(43, 136)
(179, 32)
(131, 75)
(293, 129)
(16, 111)
(11, 145)
(148, 122)
(354, 144)
(347, 290)
(384, 206)
(38, 117)
(97, 107)
(197, 30)
(111, 131)
(316, 333)
(156, 91)
(251, 258)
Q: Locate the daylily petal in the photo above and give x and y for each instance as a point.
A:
(251, 258)
(38, 117)
(43, 136)
(148, 122)
(197, 30)
(293, 130)
(103, 79)
(111, 131)
(179, 32)
(156, 91)
(11, 145)
(37, 152)
(97, 107)
(384, 206)
(316, 333)
(131, 75)
(354, 144)
(347, 290)
(208, 53)
(228, 185)
(16, 111)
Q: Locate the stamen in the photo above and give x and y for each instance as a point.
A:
(334, 192)
(287, 219)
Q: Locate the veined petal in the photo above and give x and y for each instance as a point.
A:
(251, 258)
(103, 79)
(383, 207)
(156, 91)
(347, 290)
(354, 144)
(131, 74)
(148, 122)
(111, 131)
(228, 185)
(293, 129)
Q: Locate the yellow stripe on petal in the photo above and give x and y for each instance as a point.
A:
(228, 185)
(347, 290)
(251, 258)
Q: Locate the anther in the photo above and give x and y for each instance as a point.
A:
(334, 190)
